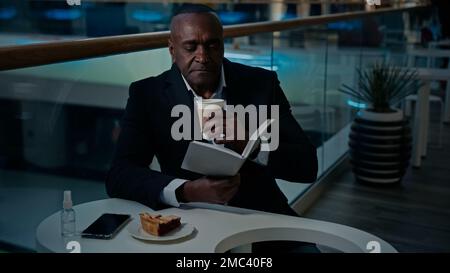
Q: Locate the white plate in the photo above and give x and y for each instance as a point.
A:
(135, 229)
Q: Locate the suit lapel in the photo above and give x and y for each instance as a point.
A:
(231, 91)
(176, 90)
(178, 94)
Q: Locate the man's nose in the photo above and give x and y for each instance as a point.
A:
(201, 55)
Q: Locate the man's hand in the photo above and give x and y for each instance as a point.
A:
(211, 190)
(232, 132)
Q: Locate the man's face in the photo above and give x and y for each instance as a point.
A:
(196, 46)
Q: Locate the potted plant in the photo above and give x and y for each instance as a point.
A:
(380, 138)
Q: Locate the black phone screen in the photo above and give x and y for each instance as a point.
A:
(106, 226)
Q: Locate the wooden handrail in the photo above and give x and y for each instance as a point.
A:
(13, 57)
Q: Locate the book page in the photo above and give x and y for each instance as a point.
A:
(213, 160)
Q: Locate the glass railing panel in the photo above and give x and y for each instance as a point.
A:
(373, 39)
(300, 56)
(252, 50)
(343, 57)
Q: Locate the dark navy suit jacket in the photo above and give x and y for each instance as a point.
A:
(146, 132)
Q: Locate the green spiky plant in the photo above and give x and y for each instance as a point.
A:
(383, 85)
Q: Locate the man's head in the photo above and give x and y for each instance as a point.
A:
(196, 46)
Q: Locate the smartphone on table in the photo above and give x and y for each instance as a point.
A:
(106, 226)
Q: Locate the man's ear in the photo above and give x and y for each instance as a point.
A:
(171, 50)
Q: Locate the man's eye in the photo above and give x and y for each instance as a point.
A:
(190, 48)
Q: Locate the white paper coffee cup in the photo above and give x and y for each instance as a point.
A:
(205, 108)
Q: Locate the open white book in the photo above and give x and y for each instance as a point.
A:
(216, 160)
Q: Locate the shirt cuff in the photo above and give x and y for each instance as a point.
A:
(168, 196)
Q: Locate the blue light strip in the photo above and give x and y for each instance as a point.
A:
(356, 104)
(63, 14)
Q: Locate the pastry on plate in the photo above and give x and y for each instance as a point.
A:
(158, 225)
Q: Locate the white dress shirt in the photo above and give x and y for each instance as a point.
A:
(167, 195)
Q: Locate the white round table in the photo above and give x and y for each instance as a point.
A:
(218, 229)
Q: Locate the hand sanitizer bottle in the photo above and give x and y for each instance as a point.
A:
(67, 216)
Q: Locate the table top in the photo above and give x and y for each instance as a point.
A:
(218, 229)
(433, 74)
(430, 52)
(445, 42)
